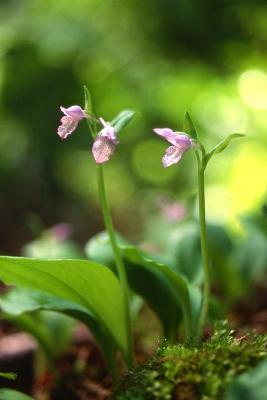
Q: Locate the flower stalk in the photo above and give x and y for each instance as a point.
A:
(118, 260)
(180, 143)
(204, 245)
(103, 149)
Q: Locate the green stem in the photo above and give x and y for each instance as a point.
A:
(118, 260)
(204, 248)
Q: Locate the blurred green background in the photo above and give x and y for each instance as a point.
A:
(159, 57)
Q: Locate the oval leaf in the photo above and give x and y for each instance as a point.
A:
(122, 119)
(88, 284)
(177, 285)
(19, 301)
(164, 290)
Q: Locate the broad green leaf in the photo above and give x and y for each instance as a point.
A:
(182, 250)
(164, 290)
(19, 301)
(188, 126)
(98, 248)
(8, 375)
(223, 144)
(52, 330)
(251, 385)
(87, 284)
(33, 324)
(177, 284)
(8, 394)
(122, 119)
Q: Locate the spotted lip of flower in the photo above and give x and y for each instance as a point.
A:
(180, 143)
(105, 143)
(70, 120)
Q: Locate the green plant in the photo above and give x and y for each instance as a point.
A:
(194, 372)
(8, 394)
(93, 293)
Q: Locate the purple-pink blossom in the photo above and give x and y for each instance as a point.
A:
(70, 120)
(171, 210)
(61, 231)
(105, 143)
(180, 141)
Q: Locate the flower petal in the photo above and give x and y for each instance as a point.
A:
(103, 149)
(68, 125)
(75, 112)
(179, 139)
(172, 156)
(108, 131)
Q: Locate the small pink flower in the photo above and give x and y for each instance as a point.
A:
(61, 231)
(69, 122)
(105, 143)
(180, 143)
(171, 210)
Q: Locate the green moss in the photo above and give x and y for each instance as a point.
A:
(190, 372)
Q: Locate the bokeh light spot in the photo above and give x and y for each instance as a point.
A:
(248, 178)
(218, 203)
(148, 165)
(76, 172)
(252, 86)
(221, 114)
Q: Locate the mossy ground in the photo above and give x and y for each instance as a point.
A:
(194, 372)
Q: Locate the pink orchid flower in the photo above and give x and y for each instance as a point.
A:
(105, 143)
(70, 120)
(180, 144)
